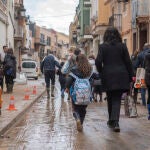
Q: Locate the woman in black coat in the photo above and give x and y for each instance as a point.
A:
(114, 64)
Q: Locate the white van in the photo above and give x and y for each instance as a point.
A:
(30, 68)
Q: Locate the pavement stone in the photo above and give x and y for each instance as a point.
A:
(8, 118)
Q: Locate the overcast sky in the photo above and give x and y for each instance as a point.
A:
(56, 14)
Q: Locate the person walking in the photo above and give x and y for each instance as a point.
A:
(140, 63)
(1, 74)
(9, 70)
(147, 80)
(96, 85)
(114, 64)
(133, 60)
(62, 79)
(48, 68)
(71, 62)
(83, 70)
(5, 49)
(2, 56)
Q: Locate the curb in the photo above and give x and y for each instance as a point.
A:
(2, 131)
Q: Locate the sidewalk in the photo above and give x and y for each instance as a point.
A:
(8, 118)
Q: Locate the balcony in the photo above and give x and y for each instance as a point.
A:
(3, 12)
(87, 3)
(143, 8)
(18, 35)
(143, 11)
(116, 21)
(40, 41)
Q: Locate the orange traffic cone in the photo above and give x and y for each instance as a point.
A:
(11, 105)
(26, 96)
(34, 90)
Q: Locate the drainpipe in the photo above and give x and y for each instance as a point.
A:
(6, 23)
(138, 32)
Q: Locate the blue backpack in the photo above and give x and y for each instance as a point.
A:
(80, 92)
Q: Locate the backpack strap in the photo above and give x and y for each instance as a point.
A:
(73, 75)
(76, 77)
(90, 75)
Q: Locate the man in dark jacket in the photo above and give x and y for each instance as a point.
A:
(9, 70)
(48, 68)
(140, 63)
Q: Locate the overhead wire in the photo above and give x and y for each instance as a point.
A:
(54, 16)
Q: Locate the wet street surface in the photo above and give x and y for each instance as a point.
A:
(49, 125)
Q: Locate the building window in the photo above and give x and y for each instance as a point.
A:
(42, 38)
(48, 41)
(124, 6)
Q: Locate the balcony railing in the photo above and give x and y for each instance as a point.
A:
(87, 3)
(18, 32)
(143, 8)
(40, 41)
(116, 21)
(3, 7)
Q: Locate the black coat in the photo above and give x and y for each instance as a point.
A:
(49, 63)
(114, 64)
(147, 69)
(10, 65)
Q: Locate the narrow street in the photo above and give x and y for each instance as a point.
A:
(49, 125)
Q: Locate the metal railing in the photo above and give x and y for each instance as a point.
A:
(40, 41)
(18, 32)
(116, 21)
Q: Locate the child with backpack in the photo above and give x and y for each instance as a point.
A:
(80, 89)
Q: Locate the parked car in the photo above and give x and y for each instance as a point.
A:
(30, 68)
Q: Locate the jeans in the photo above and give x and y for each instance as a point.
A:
(143, 95)
(148, 100)
(49, 75)
(80, 110)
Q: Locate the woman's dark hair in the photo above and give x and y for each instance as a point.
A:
(83, 65)
(112, 36)
(10, 51)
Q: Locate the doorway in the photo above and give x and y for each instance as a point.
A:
(142, 36)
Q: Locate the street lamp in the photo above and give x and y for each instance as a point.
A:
(22, 11)
(28, 20)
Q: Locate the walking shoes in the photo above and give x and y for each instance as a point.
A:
(116, 127)
(78, 121)
(79, 125)
(110, 124)
(113, 125)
